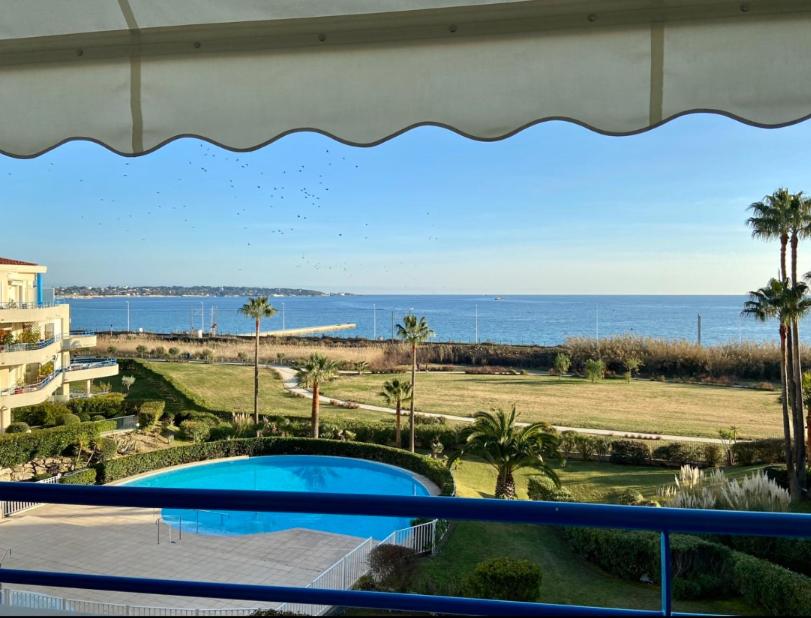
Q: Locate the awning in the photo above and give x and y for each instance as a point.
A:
(135, 74)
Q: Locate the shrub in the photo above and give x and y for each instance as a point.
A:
(768, 451)
(562, 363)
(108, 405)
(207, 418)
(19, 448)
(629, 452)
(594, 369)
(18, 427)
(149, 413)
(712, 455)
(68, 419)
(543, 488)
(677, 453)
(80, 477)
(196, 431)
(630, 497)
(393, 567)
(506, 579)
(778, 591)
(585, 446)
(700, 568)
(41, 415)
(97, 417)
(755, 492)
(568, 440)
(223, 431)
(131, 465)
(105, 449)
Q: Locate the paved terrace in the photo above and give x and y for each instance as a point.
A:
(123, 541)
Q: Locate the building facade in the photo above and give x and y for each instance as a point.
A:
(36, 344)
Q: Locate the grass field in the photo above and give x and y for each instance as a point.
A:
(642, 405)
(230, 388)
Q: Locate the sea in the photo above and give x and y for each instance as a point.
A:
(545, 320)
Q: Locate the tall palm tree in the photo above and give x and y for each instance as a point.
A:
(395, 392)
(777, 300)
(413, 331)
(786, 216)
(317, 370)
(257, 308)
(497, 439)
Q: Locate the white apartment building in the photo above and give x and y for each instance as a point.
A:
(36, 344)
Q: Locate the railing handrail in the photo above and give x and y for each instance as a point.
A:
(662, 520)
(27, 305)
(27, 347)
(79, 364)
(31, 388)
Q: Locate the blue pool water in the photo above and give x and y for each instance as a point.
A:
(289, 473)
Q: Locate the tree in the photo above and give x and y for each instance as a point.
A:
(786, 217)
(784, 302)
(257, 308)
(562, 363)
(632, 364)
(595, 369)
(496, 438)
(414, 332)
(317, 370)
(395, 392)
(361, 366)
(127, 382)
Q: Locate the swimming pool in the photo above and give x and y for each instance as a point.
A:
(288, 473)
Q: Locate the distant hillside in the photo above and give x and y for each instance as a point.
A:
(181, 290)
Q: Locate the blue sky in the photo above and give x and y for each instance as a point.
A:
(556, 209)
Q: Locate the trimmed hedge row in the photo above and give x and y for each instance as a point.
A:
(131, 465)
(50, 413)
(86, 476)
(19, 448)
(701, 568)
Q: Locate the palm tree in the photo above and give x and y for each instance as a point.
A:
(771, 219)
(414, 332)
(497, 439)
(317, 370)
(778, 300)
(395, 392)
(257, 308)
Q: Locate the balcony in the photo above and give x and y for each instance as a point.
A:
(12, 312)
(78, 340)
(82, 369)
(665, 521)
(31, 394)
(24, 353)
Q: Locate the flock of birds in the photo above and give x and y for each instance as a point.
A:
(273, 206)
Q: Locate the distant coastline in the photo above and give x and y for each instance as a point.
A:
(200, 291)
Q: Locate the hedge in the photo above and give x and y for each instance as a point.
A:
(131, 465)
(19, 448)
(701, 568)
(777, 591)
(770, 451)
(80, 477)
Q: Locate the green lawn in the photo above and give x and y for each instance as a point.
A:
(230, 388)
(642, 405)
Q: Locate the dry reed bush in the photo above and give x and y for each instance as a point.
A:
(230, 350)
(751, 361)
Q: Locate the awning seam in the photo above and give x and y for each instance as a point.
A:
(657, 66)
(136, 110)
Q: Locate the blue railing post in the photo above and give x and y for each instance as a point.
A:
(40, 291)
(666, 574)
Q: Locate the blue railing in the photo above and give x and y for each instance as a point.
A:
(77, 364)
(28, 347)
(663, 520)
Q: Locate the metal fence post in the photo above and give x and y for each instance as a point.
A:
(666, 574)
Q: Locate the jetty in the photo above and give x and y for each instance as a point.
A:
(306, 330)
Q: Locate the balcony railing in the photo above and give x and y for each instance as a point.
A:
(665, 521)
(30, 388)
(28, 347)
(33, 305)
(91, 363)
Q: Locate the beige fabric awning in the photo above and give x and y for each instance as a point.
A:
(134, 74)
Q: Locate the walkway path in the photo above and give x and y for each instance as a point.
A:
(290, 381)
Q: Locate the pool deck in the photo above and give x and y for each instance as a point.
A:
(123, 541)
